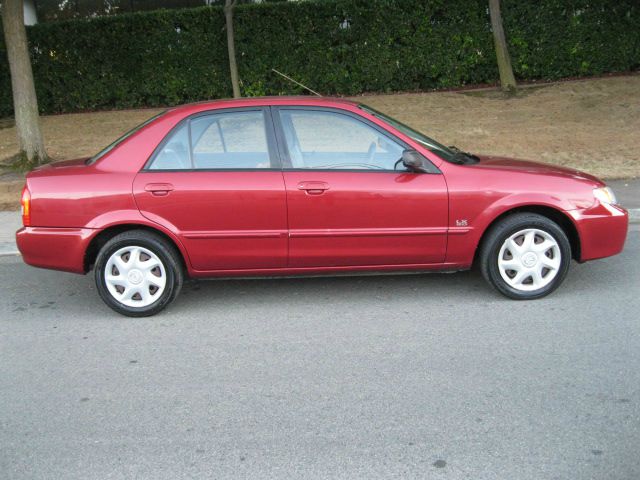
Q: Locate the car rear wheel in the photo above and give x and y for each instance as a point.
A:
(138, 273)
(525, 256)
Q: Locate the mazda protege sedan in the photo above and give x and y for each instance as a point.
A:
(305, 186)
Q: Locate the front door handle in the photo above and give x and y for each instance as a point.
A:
(313, 188)
(158, 189)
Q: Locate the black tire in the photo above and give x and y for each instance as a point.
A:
(500, 232)
(166, 253)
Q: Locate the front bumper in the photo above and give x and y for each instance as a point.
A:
(55, 248)
(602, 230)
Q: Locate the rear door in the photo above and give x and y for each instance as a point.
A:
(350, 200)
(216, 181)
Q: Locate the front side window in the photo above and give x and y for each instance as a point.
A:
(229, 140)
(318, 139)
(443, 152)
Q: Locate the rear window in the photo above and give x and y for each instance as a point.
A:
(113, 145)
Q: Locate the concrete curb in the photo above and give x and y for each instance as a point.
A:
(8, 249)
(9, 223)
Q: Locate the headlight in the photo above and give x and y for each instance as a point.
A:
(605, 195)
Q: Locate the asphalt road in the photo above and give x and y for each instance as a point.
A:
(425, 376)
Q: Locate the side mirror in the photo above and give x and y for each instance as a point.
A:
(413, 161)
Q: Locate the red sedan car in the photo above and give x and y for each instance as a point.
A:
(299, 186)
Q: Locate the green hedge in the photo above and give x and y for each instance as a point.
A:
(551, 39)
(333, 46)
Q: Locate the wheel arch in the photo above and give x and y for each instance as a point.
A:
(553, 214)
(99, 240)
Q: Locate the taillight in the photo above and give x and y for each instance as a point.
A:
(25, 203)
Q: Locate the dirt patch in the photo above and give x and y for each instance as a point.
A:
(10, 189)
(591, 125)
(79, 134)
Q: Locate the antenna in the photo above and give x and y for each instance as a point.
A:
(296, 82)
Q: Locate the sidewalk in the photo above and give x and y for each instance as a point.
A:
(627, 191)
(9, 223)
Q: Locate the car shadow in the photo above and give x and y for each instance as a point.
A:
(54, 294)
(316, 290)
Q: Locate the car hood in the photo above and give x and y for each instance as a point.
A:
(525, 166)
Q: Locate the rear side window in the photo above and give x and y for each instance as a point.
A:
(229, 140)
(174, 154)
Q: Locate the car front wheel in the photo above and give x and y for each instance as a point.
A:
(525, 256)
(138, 273)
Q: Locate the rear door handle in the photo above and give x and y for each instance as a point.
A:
(313, 188)
(158, 189)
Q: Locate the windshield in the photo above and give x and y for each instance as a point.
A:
(429, 143)
(106, 150)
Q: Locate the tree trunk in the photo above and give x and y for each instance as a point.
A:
(507, 80)
(25, 103)
(233, 65)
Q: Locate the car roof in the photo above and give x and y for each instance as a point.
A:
(303, 100)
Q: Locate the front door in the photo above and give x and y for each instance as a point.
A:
(216, 180)
(350, 200)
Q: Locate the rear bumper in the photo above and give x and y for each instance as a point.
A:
(55, 248)
(602, 230)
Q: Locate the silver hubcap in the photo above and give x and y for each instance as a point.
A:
(135, 276)
(529, 259)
